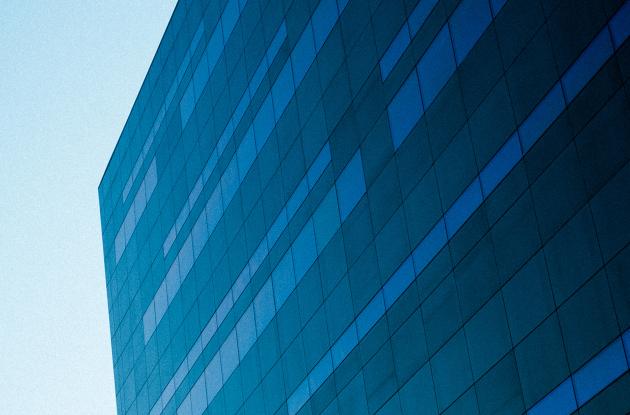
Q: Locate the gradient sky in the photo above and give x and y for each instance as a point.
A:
(69, 73)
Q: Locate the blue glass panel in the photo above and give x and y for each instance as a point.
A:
(395, 51)
(399, 282)
(187, 104)
(186, 258)
(282, 90)
(320, 372)
(229, 355)
(429, 247)
(370, 314)
(341, 4)
(258, 257)
(318, 166)
(324, 18)
(468, 22)
(214, 209)
(304, 250)
(541, 117)
(148, 322)
(497, 5)
(298, 398)
(246, 331)
(229, 182)
(405, 110)
(500, 165)
(303, 54)
(587, 65)
(298, 196)
(200, 78)
(258, 77)
(264, 308)
(463, 207)
(277, 41)
(229, 18)
(264, 122)
(600, 372)
(420, 14)
(283, 280)
(350, 186)
(626, 344)
(620, 25)
(214, 48)
(246, 154)
(326, 220)
(214, 379)
(561, 401)
(278, 226)
(436, 66)
(344, 344)
(198, 396)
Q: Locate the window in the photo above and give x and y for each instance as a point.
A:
(395, 51)
(264, 122)
(229, 18)
(214, 378)
(497, 5)
(560, 401)
(429, 247)
(278, 227)
(318, 166)
(298, 398)
(350, 186)
(198, 396)
(399, 282)
(214, 209)
(463, 207)
(370, 314)
(500, 165)
(320, 372)
(283, 280)
(200, 78)
(324, 18)
(405, 110)
(282, 90)
(298, 196)
(229, 182)
(620, 25)
(541, 117)
(587, 65)
(304, 250)
(468, 22)
(187, 104)
(264, 308)
(420, 14)
(303, 54)
(436, 66)
(344, 345)
(229, 355)
(246, 331)
(326, 220)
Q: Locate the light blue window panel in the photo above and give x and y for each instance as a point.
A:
(246, 331)
(148, 322)
(213, 376)
(468, 22)
(318, 166)
(541, 117)
(241, 282)
(278, 227)
(283, 280)
(198, 396)
(161, 302)
(600, 372)
(350, 186)
(304, 250)
(214, 209)
(258, 256)
(420, 14)
(326, 220)
(497, 5)
(298, 398)
(324, 18)
(172, 281)
(587, 65)
(282, 90)
(501, 164)
(320, 372)
(214, 48)
(344, 345)
(187, 104)
(463, 207)
(399, 282)
(186, 258)
(264, 122)
(246, 154)
(199, 234)
(561, 401)
(264, 308)
(298, 196)
(277, 41)
(436, 66)
(395, 51)
(341, 4)
(257, 79)
(370, 314)
(620, 25)
(229, 182)
(429, 247)
(229, 355)
(200, 78)
(303, 54)
(229, 18)
(405, 110)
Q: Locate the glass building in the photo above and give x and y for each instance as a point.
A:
(375, 207)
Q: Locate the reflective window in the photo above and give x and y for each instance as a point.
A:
(395, 51)
(320, 372)
(214, 209)
(587, 65)
(370, 314)
(601, 371)
(264, 308)
(463, 207)
(560, 401)
(198, 396)
(229, 355)
(304, 250)
(497, 5)
(246, 154)
(298, 196)
(282, 90)
(278, 226)
(324, 18)
(318, 166)
(213, 376)
(326, 220)
(420, 14)
(344, 344)
(283, 280)
(229, 18)
(187, 104)
(264, 123)
(399, 282)
(246, 331)
(429, 247)
(303, 54)
(229, 182)
(298, 398)
(405, 110)
(350, 186)
(620, 25)
(501, 164)
(436, 66)
(541, 117)
(468, 22)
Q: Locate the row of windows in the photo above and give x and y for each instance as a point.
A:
(602, 370)
(272, 108)
(135, 210)
(163, 109)
(461, 210)
(303, 252)
(210, 57)
(226, 136)
(449, 48)
(268, 242)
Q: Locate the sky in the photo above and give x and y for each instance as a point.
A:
(69, 73)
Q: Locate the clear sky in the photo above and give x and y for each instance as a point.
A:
(69, 73)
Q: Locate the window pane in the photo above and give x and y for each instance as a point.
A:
(229, 355)
(541, 117)
(320, 372)
(246, 154)
(350, 186)
(318, 166)
(436, 66)
(468, 22)
(246, 331)
(405, 110)
(429, 247)
(560, 401)
(420, 14)
(620, 25)
(463, 207)
(324, 19)
(304, 251)
(264, 308)
(214, 378)
(395, 51)
(264, 123)
(303, 54)
(282, 90)
(326, 220)
(501, 164)
(283, 280)
(399, 282)
(344, 344)
(370, 314)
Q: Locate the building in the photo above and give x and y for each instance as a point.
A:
(375, 206)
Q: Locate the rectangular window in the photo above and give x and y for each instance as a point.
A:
(303, 54)
(318, 166)
(620, 25)
(429, 247)
(326, 220)
(346, 342)
(500, 165)
(264, 308)
(468, 22)
(436, 66)
(278, 227)
(213, 376)
(420, 14)
(370, 314)
(304, 251)
(264, 122)
(463, 208)
(350, 186)
(405, 110)
(246, 154)
(282, 90)
(399, 282)
(283, 280)
(229, 355)
(324, 18)
(298, 398)
(246, 331)
(541, 117)
(395, 51)
(560, 401)
(320, 372)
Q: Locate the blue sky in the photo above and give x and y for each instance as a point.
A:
(69, 73)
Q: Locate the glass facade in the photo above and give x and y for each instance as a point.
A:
(375, 206)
